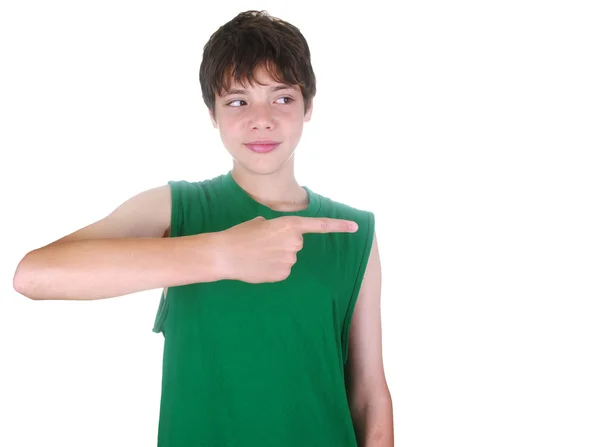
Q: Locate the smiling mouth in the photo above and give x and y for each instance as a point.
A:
(262, 147)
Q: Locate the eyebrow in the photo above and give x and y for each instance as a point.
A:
(272, 89)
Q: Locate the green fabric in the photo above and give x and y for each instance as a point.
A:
(260, 365)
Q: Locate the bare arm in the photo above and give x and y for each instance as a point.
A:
(368, 393)
(106, 268)
(128, 251)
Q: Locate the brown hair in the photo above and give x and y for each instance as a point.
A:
(249, 40)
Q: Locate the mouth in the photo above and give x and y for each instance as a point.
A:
(262, 146)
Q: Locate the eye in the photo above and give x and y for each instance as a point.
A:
(235, 100)
(290, 100)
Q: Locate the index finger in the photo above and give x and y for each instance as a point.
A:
(326, 225)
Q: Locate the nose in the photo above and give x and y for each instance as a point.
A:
(262, 117)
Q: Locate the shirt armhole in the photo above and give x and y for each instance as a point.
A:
(176, 221)
(366, 251)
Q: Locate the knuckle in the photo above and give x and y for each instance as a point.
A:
(295, 244)
(287, 259)
(282, 274)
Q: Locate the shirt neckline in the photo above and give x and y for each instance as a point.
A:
(256, 208)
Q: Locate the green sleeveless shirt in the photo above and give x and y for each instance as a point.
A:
(260, 365)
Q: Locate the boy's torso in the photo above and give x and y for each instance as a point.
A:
(259, 361)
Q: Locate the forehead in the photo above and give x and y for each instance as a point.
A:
(261, 78)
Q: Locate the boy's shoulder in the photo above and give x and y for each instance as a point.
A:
(186, 182)
(188, 186)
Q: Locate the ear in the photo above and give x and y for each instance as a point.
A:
(213, 119)
(309, 110)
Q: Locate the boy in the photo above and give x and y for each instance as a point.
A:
(262, 277)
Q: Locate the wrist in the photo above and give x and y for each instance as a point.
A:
(217, 248)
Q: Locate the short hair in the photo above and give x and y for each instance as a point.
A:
(252, 39)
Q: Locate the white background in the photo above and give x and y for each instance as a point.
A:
(470, 129)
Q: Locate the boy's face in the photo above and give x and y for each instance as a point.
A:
(258, 113)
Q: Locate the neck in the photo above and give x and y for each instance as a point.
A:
(277, 190)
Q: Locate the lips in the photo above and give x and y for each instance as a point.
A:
(262, 146)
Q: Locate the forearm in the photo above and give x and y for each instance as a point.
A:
(373, 423)
(105, 268)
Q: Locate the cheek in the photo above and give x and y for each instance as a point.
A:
(228, 127)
